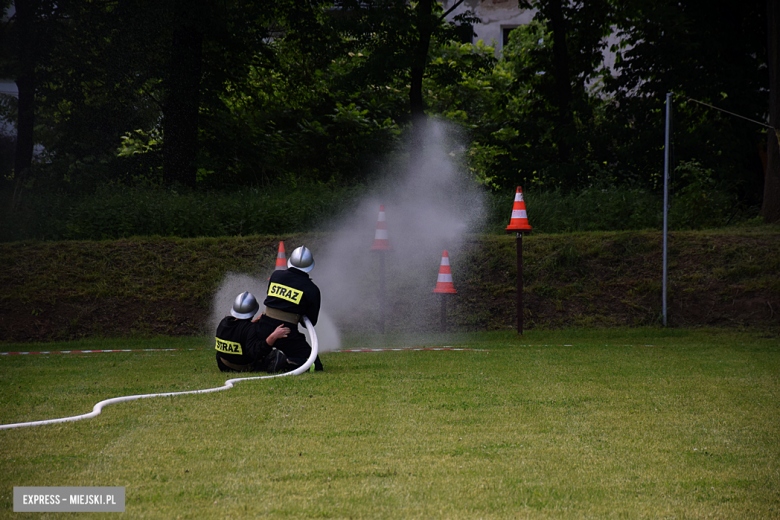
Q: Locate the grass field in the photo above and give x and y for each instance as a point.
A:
(621, 423)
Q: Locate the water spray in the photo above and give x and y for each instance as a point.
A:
(432, 205)
(228, 384)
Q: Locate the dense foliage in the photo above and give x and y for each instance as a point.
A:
(267, 94)
(117, 211)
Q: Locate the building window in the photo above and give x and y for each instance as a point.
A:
(505, 30)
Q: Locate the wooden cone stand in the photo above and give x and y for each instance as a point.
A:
(444, 286)
(381, 245)
(519, 224)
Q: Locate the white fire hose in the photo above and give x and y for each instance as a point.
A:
(228, 384)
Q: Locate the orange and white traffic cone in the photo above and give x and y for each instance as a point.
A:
(519, 222)
(281, 259)
(444, 282)
(381, 242)
(444, 286)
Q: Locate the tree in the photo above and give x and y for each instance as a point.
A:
(301, 112)
(570, 123)
(563, 81)
(398, 35)
(770, 208)
(182, 96)
(29, 34)
(27, 51)
(547, 131)
(84, 88)
(424, 25)
(108, 68)
(710, 51)
(192, 88)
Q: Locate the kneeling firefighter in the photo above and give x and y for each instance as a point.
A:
(292, 295)
(240, 345)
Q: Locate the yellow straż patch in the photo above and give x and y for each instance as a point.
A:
(228, 347)
(285, 293)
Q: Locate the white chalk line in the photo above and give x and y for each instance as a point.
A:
(228, 384)
(418, 349)
(95, 351)
(334, 351)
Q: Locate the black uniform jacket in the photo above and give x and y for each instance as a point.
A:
(239, 343)
(293, 291)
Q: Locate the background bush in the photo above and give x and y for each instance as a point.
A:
(117, 211)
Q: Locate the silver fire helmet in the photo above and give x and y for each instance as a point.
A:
(301, 259)
(245, 306)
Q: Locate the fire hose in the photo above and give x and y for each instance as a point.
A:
(228, 384)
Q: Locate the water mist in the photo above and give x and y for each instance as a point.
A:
(431, 204)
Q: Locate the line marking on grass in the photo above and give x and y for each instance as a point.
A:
(94, 351)
(448, 348)
(410, 349)
(606, 345)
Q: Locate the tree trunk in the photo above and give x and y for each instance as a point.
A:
(180, 112)
(561, 61)
(562, 82)
(770, 208)
(25, 82)
(419, 62)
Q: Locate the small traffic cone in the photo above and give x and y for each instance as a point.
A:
(519, 222)
(381, 242)
(444, 282)
(281, 259)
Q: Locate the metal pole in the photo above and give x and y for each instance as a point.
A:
(666, 197)
(520, 283)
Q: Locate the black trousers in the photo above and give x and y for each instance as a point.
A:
(256, 367)
(294, 345)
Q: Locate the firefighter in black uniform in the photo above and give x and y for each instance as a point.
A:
(292, 295)
(239, 343)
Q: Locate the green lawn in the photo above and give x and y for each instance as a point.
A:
(628, 423)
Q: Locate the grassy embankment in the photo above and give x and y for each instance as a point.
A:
(164, 286)
(569, 424)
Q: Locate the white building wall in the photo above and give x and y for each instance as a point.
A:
(8, 86)
(496, 15)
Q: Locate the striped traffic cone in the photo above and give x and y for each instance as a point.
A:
(381, 243)
(444, 282)
(281, 259)
(519, 222)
